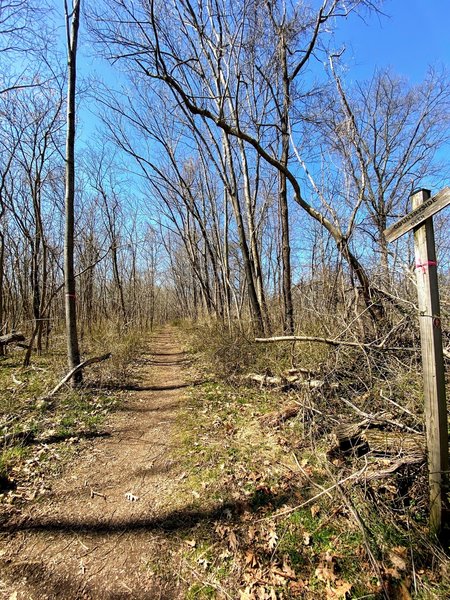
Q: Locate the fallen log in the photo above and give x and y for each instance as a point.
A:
(288, 381)
(307, 373)
(395, 443)
(11, 338)
(265, 379)
(372, 475)
(360, 439)
(70, 374)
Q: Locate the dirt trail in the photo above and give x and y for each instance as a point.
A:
(86, 539)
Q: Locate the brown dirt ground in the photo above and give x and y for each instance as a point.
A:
(85, 539)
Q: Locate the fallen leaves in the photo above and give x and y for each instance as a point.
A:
(272, 538)
(310, 553)
(335, 588)
(250, 559)
(341, 590)
(258, 592)
(398, 558)
(131, 497)
(227, 534)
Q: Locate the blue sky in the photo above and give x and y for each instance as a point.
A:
(412, 35)
(409, 36)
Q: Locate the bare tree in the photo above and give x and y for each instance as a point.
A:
(386, 135)
(72, 26)
(203, 67)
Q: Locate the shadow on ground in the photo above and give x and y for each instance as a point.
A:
(178, 520)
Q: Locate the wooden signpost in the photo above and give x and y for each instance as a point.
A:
(420, 219)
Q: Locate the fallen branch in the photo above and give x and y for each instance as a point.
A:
(405, 460)
(292, 509)
(11, 338)
(94, 493)
(332, 342)
(287, 381)
(266, 379)
(80, 367)
(379, 419)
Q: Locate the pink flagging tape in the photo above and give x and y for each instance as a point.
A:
(423, 266)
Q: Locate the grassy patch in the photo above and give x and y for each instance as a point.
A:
(242, 475)
(272, 529)
(38, 435)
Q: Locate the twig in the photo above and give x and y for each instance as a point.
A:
(321, 488)
(205, 581)
(354, 513)
(94, 493)
(408, 412)
(325, 491)
(379, 419)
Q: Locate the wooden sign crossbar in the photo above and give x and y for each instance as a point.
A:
(421, 213)
(431, 343)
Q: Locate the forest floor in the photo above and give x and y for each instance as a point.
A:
(194, 488)
(97, 530)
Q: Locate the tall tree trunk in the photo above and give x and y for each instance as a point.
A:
(288, 316)
(117, 280)
(73, 352)
(2, 265)
(226, 259)
(255, 307)
(253, 238)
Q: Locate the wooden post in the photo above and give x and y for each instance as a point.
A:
(433, 364)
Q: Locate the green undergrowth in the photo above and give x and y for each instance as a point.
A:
(37, 433)
(275, 516)
(243, 477)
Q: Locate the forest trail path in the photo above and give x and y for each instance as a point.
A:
(86, 540)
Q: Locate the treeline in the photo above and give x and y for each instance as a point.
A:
(237, 173)
(238, 115)
(116, 256)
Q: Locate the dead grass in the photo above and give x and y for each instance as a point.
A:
(283, 536)
(38, 436)
(260, 512)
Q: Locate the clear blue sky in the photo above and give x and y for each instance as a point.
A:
(409, 36)
(412, 35)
